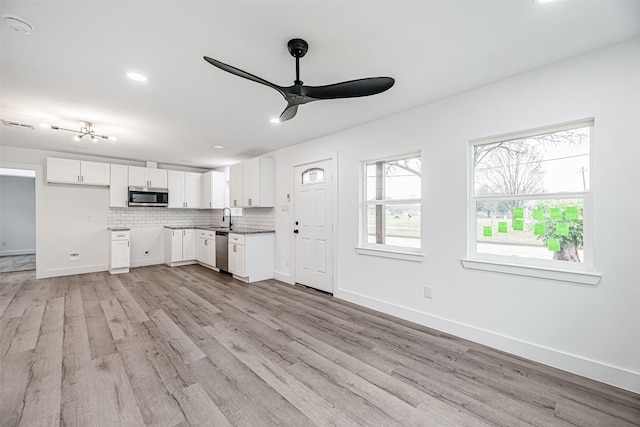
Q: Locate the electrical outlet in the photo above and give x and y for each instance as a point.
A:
(74, 256)
(427, 292)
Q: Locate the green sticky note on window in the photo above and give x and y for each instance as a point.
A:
(538, 214)
(553, 245)
(518, 224)
(538, 229)
(562, 229)
(502, 227)
(571, 212)
(487, 231)
(518, 212)
(555, 213)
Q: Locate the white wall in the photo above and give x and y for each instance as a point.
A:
(593, 331)
(17, 215)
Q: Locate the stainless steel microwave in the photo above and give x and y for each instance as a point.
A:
(148, 196)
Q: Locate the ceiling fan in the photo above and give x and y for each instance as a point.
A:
(301, 94)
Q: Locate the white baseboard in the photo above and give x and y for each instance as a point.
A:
(579, 365)
(69, 271)
(143, 262)
(18, 252)
(284, 277)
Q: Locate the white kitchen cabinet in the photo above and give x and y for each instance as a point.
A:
(206, 248)
(120, 252)
(185, 189)
(252, 183)
(119, 189)
(236, 185)
(213, 190)
(180, 247)
(251, 256)
(68, 171)
(147, 177)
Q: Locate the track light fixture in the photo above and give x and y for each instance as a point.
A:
(86, 129)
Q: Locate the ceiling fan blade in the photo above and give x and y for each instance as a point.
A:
(289, 112)
(244, 74)
(349, 89)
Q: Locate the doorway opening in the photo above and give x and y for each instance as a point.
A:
(17, 220)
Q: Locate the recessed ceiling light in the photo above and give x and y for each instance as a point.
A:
(275, 120)
(137, 77)
(218, 146)
(17, 24)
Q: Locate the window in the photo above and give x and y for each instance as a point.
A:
(529, 198)
(391, 205)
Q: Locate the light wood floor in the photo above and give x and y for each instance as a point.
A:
(187, 346)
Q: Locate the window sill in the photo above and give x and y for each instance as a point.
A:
(388, 253)
(581, 277)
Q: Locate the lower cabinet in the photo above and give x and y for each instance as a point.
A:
(251, 256)
(180, 247)
(120, 252)
(206, 248)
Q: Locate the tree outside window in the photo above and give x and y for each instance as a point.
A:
(529, 194)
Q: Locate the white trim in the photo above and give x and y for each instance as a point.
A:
(389, 253)
(69, 271)
(572, 276)
(587, 122)
(15, 252)
(284, 277)
(593, 369)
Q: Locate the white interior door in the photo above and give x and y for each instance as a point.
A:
(313, 225)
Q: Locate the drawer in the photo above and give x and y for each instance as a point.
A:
(206, 234)
(238, 239)
(121, 235)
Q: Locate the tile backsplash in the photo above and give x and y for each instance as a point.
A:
(138, 217)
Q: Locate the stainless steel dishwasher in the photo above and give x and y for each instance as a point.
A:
(222, 250)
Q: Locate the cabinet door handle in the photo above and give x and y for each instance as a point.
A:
(205, 242)
(250, 200)
(234, 248)
(128, 244)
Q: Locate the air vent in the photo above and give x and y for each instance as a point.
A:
(18, 125)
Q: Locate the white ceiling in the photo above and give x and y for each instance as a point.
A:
(72, 67)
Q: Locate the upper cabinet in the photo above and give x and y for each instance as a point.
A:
(214, 190)
(147, 177)
(251, 183)
(118, 191)
(236, 184)
(67, 171)
(185, 189)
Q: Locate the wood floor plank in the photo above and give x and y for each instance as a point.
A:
(43, 392)
(188, 350)
(116, 319)
(190, 346)
(156, 404)
(8, 290)
(15, 376)
(103, 396)
(198, 407)
(100, 338)
(311, 404)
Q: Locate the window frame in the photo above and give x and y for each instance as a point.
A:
(383, 249)
(581, 272)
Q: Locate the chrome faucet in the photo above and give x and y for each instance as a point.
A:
(230, 223)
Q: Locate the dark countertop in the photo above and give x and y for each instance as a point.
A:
(239, 230)
(118, 229)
